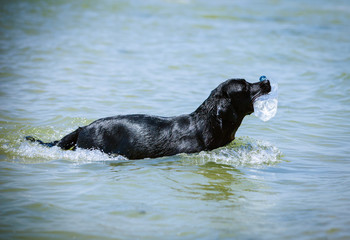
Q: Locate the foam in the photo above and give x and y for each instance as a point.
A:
(243, 151)
(31, 153)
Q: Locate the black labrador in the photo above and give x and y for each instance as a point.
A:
(212, 125)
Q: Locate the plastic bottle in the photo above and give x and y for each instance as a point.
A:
(265, 106)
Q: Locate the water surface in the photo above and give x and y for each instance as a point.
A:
(64, 64)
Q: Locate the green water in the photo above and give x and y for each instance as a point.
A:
(64, 64)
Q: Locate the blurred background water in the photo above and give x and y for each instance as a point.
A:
(64, 64)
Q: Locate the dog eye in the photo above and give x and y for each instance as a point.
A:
(245, 88)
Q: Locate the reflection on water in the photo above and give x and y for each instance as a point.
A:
(222, 181)
(207, 196)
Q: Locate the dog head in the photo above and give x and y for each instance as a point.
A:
(240, 94)
(226, 107)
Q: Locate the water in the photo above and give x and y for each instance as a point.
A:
(64, 64)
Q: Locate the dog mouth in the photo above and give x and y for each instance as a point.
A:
(259, 94)
(264, 88)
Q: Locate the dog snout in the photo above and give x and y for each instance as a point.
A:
(265, 86)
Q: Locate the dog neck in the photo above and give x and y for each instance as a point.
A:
(218, 121)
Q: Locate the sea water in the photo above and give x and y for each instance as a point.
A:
(64, 64)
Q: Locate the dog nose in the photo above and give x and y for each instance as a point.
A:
(265, 86)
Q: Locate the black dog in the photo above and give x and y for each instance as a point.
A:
(212, 125)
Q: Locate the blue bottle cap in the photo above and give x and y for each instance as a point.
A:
(262, 78)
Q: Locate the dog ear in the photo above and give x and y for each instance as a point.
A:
(219, 115)
(225, 93)
(225, 112)
(221, 110)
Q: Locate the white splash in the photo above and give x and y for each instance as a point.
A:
(243, 151)
(33, 152)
